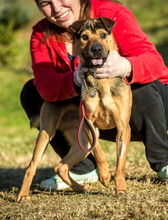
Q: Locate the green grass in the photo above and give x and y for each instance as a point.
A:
(148, 198)
(152, 17)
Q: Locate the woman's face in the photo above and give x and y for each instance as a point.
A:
(60, 12)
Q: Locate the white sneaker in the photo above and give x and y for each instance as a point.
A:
(56, 183)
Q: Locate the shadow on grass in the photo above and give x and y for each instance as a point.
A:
(153, 180)
(10, 178)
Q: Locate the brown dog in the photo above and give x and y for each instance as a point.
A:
(110, 108)
(111, 105)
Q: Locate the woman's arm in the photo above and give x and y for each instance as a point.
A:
(53, 77)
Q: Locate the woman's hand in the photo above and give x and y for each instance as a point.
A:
(78, 76)
(115, 65)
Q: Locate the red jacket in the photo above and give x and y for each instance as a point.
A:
(53, 72)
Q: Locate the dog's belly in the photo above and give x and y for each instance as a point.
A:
(103, 120)
(104, 126)
(100, 115)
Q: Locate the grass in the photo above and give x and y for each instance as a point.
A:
(152, 17)
(148, 198)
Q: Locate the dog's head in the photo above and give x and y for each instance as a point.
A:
(93, 40)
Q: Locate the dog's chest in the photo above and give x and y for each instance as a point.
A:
(101, 109)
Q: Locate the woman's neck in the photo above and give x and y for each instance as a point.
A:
(70, 48)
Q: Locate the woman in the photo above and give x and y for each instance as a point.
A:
(56, 77)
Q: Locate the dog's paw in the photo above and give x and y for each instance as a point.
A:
(86, 188)
(121, 192)
(105, 178)
(82, 188)
(23, 198)
(105, 181)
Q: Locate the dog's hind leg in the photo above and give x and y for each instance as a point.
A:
(42, 141)
(47, 130)
(74, 156)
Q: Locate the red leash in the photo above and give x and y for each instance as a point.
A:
(90, 127)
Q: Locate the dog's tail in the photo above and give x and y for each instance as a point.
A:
(35, 121)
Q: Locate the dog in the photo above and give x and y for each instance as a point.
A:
(111, 107)
(112, 103)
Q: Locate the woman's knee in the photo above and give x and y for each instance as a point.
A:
(144, 93)
(30, 99)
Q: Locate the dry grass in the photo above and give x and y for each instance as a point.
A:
(148, 198)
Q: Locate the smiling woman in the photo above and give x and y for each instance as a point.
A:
(61, 13)
(56, 70)
(64, 13)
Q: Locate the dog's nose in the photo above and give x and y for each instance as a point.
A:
(97, 49)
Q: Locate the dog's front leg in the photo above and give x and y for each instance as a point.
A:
(100, 157)
(102, 165)
(122, 142)
(42, 141)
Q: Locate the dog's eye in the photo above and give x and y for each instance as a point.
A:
(103, 36)
(84, 37)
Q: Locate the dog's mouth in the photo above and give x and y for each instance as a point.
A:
(94, 62)
(97, 62)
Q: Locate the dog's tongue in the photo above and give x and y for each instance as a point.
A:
(97, 61)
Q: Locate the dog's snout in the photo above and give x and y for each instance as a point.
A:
(97, 49)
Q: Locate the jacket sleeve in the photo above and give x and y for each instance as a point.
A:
(133, 43)
(51, 84)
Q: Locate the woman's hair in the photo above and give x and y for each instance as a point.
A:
(51, 30)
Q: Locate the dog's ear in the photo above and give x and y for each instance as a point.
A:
(76, 27)
(107, 22)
